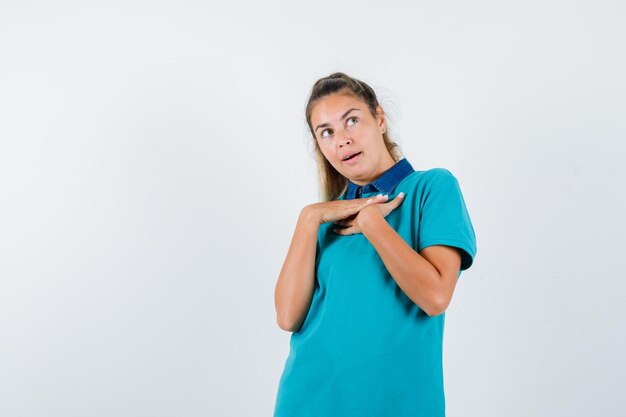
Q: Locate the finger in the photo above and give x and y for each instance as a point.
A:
(346, 232)
(346, 221)
(345, 224)
(377, 199)
(395, 203)
(398, 199)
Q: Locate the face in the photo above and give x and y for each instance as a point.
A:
(344, 126)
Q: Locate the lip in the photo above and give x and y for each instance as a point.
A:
(353, 160)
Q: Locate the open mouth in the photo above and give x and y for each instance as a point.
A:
(352, 156)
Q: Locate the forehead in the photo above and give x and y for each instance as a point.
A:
(330, 108)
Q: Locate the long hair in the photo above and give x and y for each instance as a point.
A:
(331, 183)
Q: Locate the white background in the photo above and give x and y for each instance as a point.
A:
(154, 158)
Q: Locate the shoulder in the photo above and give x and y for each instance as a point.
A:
(438, 173)
(432, 177)
(433, 183)
(440, 177)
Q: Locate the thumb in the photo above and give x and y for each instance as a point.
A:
(399, 198)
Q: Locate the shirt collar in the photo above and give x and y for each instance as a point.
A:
(385, 183)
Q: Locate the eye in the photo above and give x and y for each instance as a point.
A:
(325, 130)
(355, 119)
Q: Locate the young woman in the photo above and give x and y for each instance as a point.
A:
(370, 270)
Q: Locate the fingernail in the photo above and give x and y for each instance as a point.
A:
(401, 195)
(379, 196)
(369, 201)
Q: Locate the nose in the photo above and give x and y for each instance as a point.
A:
(344, 138)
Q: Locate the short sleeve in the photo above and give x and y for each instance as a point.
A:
(443, 218)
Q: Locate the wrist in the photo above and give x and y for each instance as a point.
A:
(367, 216)
(309, 215)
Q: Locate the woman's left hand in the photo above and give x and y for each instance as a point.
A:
(351, 224)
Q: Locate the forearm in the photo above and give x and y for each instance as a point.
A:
(296, 282)
(413, 273)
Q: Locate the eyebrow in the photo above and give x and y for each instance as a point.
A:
(343, 116)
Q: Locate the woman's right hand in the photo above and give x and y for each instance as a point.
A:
(332, 211)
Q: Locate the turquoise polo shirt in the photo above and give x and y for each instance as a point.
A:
(365, 348)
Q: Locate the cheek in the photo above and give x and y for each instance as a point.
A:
(332, 158)
(327, 150)
(324, 152)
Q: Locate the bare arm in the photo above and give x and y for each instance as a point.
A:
(427, 278)
(296, 282)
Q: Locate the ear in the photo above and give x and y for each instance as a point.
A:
(381, 119)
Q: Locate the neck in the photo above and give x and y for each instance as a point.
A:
(386, 163)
